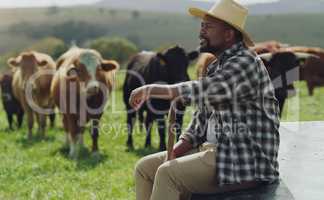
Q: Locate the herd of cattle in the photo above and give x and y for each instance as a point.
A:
(80, 81)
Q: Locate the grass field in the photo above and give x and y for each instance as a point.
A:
(41, 169)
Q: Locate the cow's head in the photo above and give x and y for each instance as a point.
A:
(90, 69)
(176, 62)
(6, 88)
(281, 62)
(28, 62)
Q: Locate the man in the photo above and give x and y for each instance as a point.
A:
(232, 141)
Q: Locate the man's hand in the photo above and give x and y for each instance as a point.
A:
(180, 148)
(138, 97)
(172, 157)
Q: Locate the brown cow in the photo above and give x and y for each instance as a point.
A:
(278, 64)
(80, 89)
(284, 68)
(311, 50)
(271, 46)
(312, 71)
(31, 84)
(205, 59)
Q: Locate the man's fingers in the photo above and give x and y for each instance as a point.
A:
(137, 98)
(135, 102)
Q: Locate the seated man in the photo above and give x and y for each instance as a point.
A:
(232, 141)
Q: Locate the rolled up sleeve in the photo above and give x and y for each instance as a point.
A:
(236, 80)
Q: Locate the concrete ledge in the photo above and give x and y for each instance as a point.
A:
(301, 161)
(275, 191)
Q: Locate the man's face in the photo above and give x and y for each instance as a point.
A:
(212, 35)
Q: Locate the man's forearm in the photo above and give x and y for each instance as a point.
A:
(167, 92)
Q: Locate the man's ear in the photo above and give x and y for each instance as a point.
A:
(109, 65)
(229, 35)
(14, 62)
(161, 59)
(193, 55)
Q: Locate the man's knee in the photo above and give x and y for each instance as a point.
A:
(163, 170)
(140, 167)
(146, 167)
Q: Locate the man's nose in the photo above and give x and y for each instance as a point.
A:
(202, 32)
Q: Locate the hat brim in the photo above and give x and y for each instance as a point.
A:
(202, 14)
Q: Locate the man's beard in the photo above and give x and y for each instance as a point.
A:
(205, 46)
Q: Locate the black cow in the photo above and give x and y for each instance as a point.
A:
(10, 103)
(167, 67)
(284, 69)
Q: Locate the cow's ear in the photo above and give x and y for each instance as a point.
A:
(13, 62)
(109, 65)
(73, 72)
(42, 63)
(161, 59)
(59, 63)
(193, 55)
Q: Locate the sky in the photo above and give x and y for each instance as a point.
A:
(245, 1)
(33, 3)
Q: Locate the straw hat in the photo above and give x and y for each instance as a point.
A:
(230, 12)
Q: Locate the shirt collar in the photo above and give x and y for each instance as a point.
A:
(231, 51)
(224, 56)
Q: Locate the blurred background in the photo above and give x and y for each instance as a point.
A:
(51, 25)
(118, 29)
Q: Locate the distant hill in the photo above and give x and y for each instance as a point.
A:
(181, 6)
(21, 28)
(288, 7)
(176, 6)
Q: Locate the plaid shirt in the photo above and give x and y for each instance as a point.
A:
(236, 110)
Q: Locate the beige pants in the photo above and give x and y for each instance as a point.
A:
(177, 179)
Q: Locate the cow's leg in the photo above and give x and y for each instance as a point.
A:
(281, 104)
(42, 124)
(310, 87)
(66, 130)
(37, 121)
(30, 119)
(52, 119)
(148, 126)
(20, 117)
(131, 117)
(141, 119)
(95, 134)
(73, 153)
(9, 118)
(161, 129)
(80, 139)
(74, 135)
